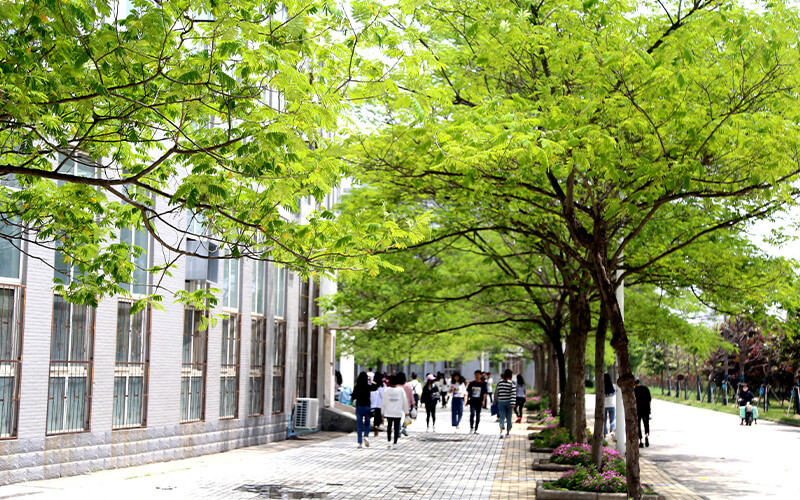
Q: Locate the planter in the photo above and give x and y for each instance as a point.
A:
(535, 435)
(539, 449)
(537, 427)
(543, 494)
(546, 464)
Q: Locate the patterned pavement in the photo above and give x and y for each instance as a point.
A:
(444, 465)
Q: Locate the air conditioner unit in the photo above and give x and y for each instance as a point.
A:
(306, 413)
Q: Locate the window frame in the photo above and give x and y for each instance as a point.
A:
(18, 324)
(234, 366)
(88, 364)
(145, 364)
(187, 368)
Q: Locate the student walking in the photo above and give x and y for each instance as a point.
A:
(430, 398)
(610, 403)
(416, 387)
(476, 391)
(376, 398)
(362, 396)
(504, 395)
(444, 388)
(459, 391)
(489, 389)
(394, 408)
(643, 403)
(520, 397)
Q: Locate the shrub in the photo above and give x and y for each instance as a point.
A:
(553, 437)
(572, 479)
(537, 403)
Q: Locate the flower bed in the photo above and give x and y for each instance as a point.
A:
(537, 403)
(581, 454)
(552, 437)
(545, 490)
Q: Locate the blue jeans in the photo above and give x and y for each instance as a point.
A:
(362, 421)
(457, 410)
(610, 420)
(505, 412)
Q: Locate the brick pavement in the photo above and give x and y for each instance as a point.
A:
(444, 465)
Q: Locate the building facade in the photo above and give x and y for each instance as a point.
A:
(85, 389)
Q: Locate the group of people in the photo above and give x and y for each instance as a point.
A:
(395, 399)
(643, 408)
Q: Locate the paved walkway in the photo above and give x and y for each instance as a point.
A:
(442, 465)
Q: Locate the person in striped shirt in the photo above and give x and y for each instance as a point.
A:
(504, 395)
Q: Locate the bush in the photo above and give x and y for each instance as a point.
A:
(553, 437)
(537, 403)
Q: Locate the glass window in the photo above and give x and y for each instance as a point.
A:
(259, 286)
(132, 367)
(280, 292)
(229, 367)
(302, 341)
(132, 239)
(230, 283)
(12, 300)
(193, 369)
(258, 365)
(9, 251)
(279, 366)
(76, 164)
(71, 354)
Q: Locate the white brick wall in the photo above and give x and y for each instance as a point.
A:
(34, 456)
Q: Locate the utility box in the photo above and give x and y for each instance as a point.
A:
(306, 413)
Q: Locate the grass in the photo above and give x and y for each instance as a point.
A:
(775, 414)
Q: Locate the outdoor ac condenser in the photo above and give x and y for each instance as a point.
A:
(306, 413)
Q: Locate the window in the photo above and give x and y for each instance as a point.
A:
(258, 342)
(9, 252)
(83, 167)
(279, 355)
(71, 352)
(259, 270)
(230, 283)
(302, 341)
(131, 370)
(136, 239)
(193, 370)
(229, 367)
(314, 348)
(258, 365)
(12, 300)
(279, 366)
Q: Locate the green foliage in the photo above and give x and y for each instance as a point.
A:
(553, 437)
(223, 112)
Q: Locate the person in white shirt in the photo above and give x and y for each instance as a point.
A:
(459, 391)
(376, 400)
(610, 403)
(416, 386)
(394, 408)
(444, 388)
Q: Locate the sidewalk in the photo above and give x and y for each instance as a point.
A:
(441, 465)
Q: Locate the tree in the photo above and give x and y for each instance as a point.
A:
(197, 120)
(635, 131)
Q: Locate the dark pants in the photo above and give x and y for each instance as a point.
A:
(430, 413)
(457, 410)
(519, 407)
(362, 421)
(646, 420)
(474, 415)
(393, 422)
(376, 422)
(444, 400)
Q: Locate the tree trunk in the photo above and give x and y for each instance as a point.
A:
(575, 407)
(599, 389)
(552, 381)
(619, 341)
(540, 371)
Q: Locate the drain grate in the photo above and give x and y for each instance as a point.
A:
(282, 491)
(441, 439)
